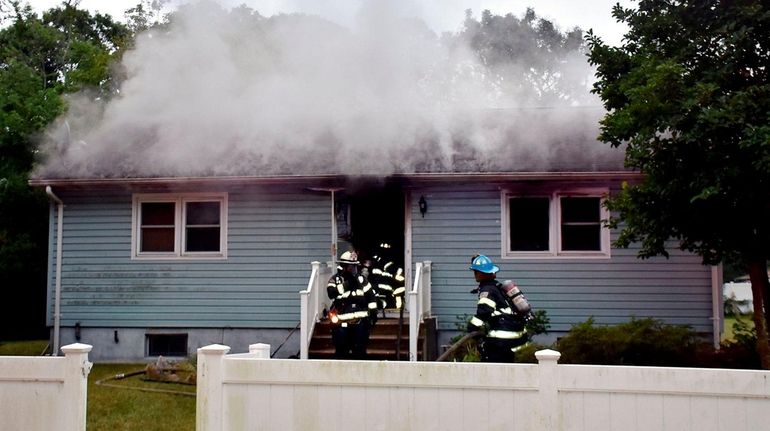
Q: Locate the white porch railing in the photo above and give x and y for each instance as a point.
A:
(312, 302)
(45, 393)
(241, 392)
(418, 304)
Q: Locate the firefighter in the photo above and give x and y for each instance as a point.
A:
(505, 331)
(353, 309)
(388, 279)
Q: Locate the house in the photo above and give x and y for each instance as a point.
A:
(144, 263)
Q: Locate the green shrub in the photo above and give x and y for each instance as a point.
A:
(738, 352)
(539, 324)
(650, 342)
(641, 342)
(638, 342)
(469, 352)
(527, 354)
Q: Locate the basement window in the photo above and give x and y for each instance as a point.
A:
(179, 226)
(167, 345)
(561, 223)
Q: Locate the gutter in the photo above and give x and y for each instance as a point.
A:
(337, 180)
(57, 290)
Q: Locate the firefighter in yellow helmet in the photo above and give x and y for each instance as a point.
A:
(353, 310)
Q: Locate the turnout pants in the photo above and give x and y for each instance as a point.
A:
(498, 350)
(350, 341)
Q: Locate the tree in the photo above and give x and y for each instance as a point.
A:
(147, 14)
(688, 97)
(41, 59)
(547, 66)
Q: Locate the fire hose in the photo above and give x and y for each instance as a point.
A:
(453, 348)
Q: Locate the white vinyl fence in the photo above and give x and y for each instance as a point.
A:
(45, 393)
(252, 392)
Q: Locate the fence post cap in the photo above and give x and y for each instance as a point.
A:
(547, 355)
(258, 346)
(262, 350)
(76, 348)
(214, 349)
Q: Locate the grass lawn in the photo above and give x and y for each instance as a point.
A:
(117, 409)
(123, 408)
(23, 348)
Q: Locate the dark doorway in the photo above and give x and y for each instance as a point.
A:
(376, 212)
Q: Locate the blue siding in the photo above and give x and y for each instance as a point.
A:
(273, 235)
(465, 220)
(275, 232)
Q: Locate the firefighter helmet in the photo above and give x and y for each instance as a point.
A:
(483, 264)
(349, 258)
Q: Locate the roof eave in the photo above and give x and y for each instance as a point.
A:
(521, 176)
(294, 179)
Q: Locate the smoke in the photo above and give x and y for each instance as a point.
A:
(230, 92)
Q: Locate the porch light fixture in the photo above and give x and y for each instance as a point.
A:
(423, 206)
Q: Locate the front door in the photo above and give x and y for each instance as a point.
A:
(375, 215)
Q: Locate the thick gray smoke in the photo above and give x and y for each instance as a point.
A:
(229, 92)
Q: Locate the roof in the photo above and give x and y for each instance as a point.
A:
(498, 142)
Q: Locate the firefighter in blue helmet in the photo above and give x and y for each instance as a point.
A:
(505, 331)
(353, 308)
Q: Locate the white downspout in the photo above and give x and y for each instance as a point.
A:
(333, 248)
(57, 290)
(716, 303)
(408, 240)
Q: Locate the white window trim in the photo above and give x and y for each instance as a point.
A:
(179, 199)
(554, 250)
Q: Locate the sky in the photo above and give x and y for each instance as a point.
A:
(440, 15)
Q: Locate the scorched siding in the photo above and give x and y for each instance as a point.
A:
(465, 220)
(272, 236)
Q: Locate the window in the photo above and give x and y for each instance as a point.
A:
(172, 226)
(558, 223)
(581, 224)
(166, 344)
(202, 226)
(530, 223)
(157, 226)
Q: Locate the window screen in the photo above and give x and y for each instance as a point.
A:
(529, 223)
(581, 224)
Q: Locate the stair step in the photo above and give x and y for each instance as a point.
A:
(374, 341)
(382, 340)
(372, 354)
